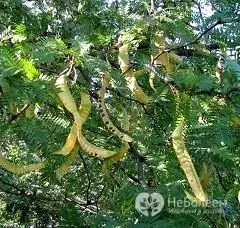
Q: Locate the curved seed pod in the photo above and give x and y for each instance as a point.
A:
(85, 107)
(103, 112)
(87, 146)
(91, 149)
(132, 83)
(195, 200)
(94, 150)
(19, 169)
(68, 101)
(72, 137)
(162, 60)
(66, 96)
(123, 149)
(63, 169)
(186, 162)
(70, 142)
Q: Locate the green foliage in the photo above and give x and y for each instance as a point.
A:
(41, 39)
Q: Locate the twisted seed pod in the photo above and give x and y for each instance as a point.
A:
(103, 112)
(66, 96)
(186, 162)
(132, 83)
(72, 137)
(68, 148)
(85, 108)
(19, 169)
(68, 101)
(94, 150)
(86, 146)
(70, 142)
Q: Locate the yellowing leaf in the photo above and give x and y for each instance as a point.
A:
(29, 69)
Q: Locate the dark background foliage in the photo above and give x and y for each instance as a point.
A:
(38, 38)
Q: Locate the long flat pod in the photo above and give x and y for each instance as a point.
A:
(87, 146)
(66, 96)
(69, 103)
(186, 162)
(132, 83)
(70, 142)
(123, 149)
(94, 150)
(72, 137)
(19, 169)
(161, 57)
(70, 148)
(84, 111)
(103, 112)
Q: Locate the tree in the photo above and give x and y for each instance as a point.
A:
(103, 100)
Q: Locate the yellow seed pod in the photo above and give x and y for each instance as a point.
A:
(123, 149)
(19, 169)
(103, 112)
(195, 200)
(70, 142)
(68, 101)
(132, 83)
(66, 96)
(166, 59)
(94, 150)
(85, 107)
(87, 146)
(186, 162)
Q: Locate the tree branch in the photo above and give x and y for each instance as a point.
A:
(88, 176)
(218, 22)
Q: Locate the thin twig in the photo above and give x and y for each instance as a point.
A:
(218, 22)
(16, 115)
(88, 177)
